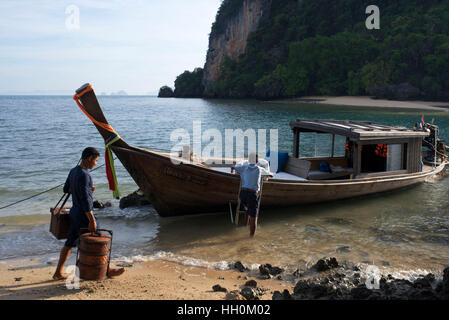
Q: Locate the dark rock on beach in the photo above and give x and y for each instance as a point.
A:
(251, 283)
(345, 281)
(98, 204)
(240, 266)
(137, 198)
(285, 295)
(249, 293)
(326, 264)
(445, 283)
(269, 270)
(218, 288)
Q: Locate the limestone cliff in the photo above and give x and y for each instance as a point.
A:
(232, 41)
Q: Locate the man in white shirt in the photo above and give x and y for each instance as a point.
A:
(251, 174)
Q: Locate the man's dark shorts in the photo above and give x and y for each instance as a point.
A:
(75, 230)
(250, 201)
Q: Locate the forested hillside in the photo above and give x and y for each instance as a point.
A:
(322, 47)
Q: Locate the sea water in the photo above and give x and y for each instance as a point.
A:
(41, 139)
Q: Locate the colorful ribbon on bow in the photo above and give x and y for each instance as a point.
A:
(110, 169)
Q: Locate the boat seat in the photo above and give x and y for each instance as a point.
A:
(287, 176)
(336, 172)
(297, 167)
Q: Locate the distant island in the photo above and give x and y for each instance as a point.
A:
(268, 49)
(166, 92)
(119, 93)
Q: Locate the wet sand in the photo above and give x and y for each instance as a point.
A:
(151, 280)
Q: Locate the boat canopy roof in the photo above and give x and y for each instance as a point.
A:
(355, 130)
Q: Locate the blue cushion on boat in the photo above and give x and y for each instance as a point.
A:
(282, 160)
(324, 167)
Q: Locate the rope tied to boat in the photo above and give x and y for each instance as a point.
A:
(109, 159)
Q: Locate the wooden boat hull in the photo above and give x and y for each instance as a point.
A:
(180, 189)
(188, 189)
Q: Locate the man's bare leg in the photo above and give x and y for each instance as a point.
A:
(252, 226)
(246, 219)
(65, 253)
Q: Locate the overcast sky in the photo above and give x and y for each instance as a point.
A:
(132, 45)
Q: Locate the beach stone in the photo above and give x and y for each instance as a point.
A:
(308, 289)
(297, 273)
(277, 296)
(251, 283)
(285, 295)
(218, 288)
(446, 282)
(233, 295)
(249, 293)
(108, 204)
(240, 267)
(361, 292)
(98, 204)
(326, 264)
(268, 269)
(424, 294)
(424, 282)
(135, 199)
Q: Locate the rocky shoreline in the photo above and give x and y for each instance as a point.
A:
(327, 279)
(330, 280)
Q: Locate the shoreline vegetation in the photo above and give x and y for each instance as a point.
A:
(299, 49)
(160, 279)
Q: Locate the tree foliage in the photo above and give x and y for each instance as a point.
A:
(166, 92)
(323, 47)
(188, 84)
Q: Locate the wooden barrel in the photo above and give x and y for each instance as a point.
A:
(94, 251)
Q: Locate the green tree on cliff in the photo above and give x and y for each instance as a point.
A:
(323, 47)
(188, 84)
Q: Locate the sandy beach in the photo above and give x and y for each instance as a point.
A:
(165, 280)
(151, 280)
(362, 101)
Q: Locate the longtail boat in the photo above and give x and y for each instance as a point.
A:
(377, 158)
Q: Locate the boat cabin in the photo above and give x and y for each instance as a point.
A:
(356, 149)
